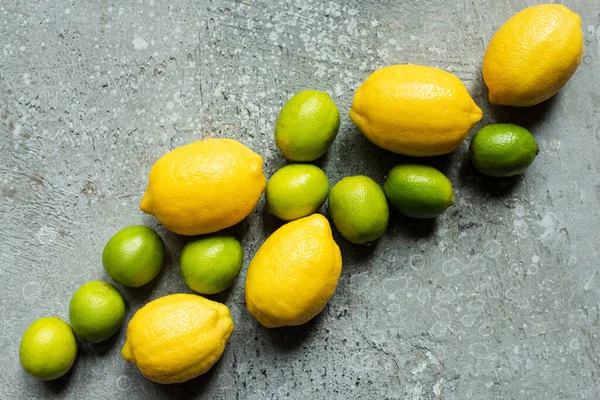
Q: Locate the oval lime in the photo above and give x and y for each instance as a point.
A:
(502, 150)
(419, 191)
(134, 256)
(358, 208)
(209, 265)
(96, 311)
(296, 191)
(307, 125)
(48, 348)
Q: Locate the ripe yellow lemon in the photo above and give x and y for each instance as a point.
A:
(204, 186)
(294, 273)
(414, 110)
(533, 55)
(175, 338)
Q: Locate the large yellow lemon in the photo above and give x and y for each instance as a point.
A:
(176, 338)
(414, 110)
(533, 55)
(294, 273)
(204, 186)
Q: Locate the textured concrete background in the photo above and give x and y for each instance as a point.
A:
(497, 299)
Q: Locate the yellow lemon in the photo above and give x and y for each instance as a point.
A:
(176, 338)
(533, 55)
(294, 273)
(204, 186)
(414, 110)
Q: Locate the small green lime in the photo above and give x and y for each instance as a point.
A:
(48, 348)
(134, 256)
(96, 311)
(419, 191)
(502, 150)
(358, 209)
(296, 191)
(307, 125)
(209, 265)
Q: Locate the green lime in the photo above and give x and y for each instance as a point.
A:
(359, 209)
(134, 256)
(209, 265)
(96, 311)
(48, 348)
(418, 191)
(502, 149)
(296, 191)
(307, 125)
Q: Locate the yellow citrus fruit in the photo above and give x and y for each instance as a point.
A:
(177, 337)
(502, 150)
(419, 191)
(533, 55)
(204, 186)
(414, 110)
(296, 191)
(134, 255)
(358, 208)
(307, 125)
(96, 311)
(210, 264)
(48, 348)
(294, 273)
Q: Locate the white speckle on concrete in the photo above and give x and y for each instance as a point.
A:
(139, 43)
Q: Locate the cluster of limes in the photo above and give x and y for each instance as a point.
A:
(206, 186)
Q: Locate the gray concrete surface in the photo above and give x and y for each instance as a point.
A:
(498, 299)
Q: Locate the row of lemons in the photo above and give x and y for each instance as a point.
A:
(206, 186)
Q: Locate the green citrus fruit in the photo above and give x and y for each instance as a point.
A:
(209, 265)
(296, 191)
(134, 256)
(358, 209)
(48, 348)
(502, 149)
(418, 191)
(96, 311)
(307, 125)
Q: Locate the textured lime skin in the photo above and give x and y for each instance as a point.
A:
(419, 191)
(358, 208)
(296, 191)
(502, 150)
(134, 256)
(307, 125)
(48, 348)
(96, 311)
(209, 265)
